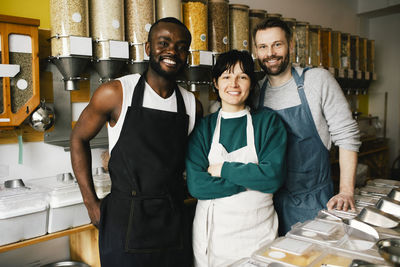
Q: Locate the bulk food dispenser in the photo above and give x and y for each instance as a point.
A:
(107, 30)
(19, 69)
(139, 16)
(71, 47)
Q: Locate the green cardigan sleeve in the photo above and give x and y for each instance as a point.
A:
(270, 141)
(200, 183)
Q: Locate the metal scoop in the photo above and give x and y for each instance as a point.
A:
(373, 216)
(389, 205)
(356, 228)
(395, 194)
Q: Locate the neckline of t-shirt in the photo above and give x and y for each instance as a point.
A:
(232, 115)
(291, 80)
(151, 90)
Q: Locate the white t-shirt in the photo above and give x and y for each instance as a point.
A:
(150, 100)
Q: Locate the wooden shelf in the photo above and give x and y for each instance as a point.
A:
(47, 237)
(372, 151)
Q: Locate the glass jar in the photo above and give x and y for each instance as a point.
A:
(256, 16)
(67, 17)
(371, 56)
(315, 46)
(363, 53)
(326, 47)
(106, 23)
(302, 39)
(218, 25)
(195, 19)
(336, 50)
(274, 15)
(139, 16)
(345, 50)
(169, 8)
(354, 53)
(291, 22)
(239, 27)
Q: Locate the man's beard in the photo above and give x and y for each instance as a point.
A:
(280, 69)
(157, 68)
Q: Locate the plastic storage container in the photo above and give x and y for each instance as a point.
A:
(102, 182)
(315, 46)
(326, 47)
(218, 26)
(195, 18)
(336, 50)
(363, 53)
(345, 50)
(289, 252)
(302, 46)
(169, 8)
(139, 16)
(371, 56)
(334, 257)
(291, 22)
(23, 214)
(239, 27)
(255, 17)
(66, 208)
(106, 23)
(67, 18)
(354, 52)
(318, 231)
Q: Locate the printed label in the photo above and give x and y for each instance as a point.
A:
(115, 24)
(203, 37)
(225, 40)
(76, 17)
(22, 84)
(245, 43)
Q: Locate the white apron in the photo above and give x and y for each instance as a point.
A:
(230, 228)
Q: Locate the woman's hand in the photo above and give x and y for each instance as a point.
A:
(215, 170)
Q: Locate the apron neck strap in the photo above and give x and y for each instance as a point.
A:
(137, 98)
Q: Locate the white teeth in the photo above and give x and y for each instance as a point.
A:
(234, 93)
(168, 61)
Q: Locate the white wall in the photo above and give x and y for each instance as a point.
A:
(385, 31)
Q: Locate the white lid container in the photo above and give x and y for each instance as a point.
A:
(102, 185)
(318, 231)
(23, 213)
(289, 252)
(66, 204)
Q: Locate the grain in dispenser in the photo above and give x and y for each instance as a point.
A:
(336, 50)
(371, 56)
(169, 8)
(326, 47)
(71, 46)
(354, 53)
(218, 26)
(315, 46)
(345, 50)
(256, 16)
(291, 22)
(139, 16)
(302, 39)
(107, 30)
(195, 19)
(239, 27)
(363, 54)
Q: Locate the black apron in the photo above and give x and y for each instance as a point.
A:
(142, 219)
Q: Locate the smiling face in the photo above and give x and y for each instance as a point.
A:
(272, 50)
(168, 49)
(233, 88)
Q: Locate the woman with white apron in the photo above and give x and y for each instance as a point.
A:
(235, 163)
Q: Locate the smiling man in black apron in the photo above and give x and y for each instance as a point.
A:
(141, 222)
(316, 113)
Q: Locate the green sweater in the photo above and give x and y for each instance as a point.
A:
(266, 176)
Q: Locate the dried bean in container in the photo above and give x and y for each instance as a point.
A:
(239, 27)
(218, 26)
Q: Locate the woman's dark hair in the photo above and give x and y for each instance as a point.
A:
(227, 61)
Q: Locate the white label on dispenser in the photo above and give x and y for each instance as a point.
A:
(80, 46)
(115, 23)
(119, 49)
(4, 119)
(147, 27)
(20, 43)
(225, 40)
(245, 43)
(76, 17)
(206, 58)
(203, 37)
(22, 84)
(9, 70)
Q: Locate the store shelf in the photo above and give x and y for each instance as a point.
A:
(47, 237)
